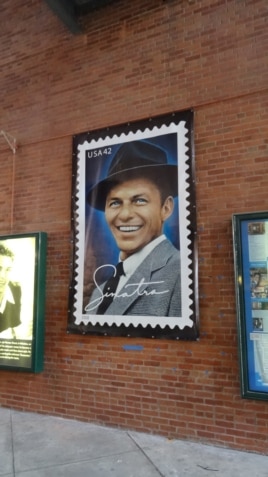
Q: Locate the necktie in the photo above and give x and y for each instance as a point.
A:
(110, 288)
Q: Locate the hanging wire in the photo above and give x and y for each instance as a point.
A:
(10, 140)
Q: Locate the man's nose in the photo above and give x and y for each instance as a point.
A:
(125, 212)
(3, 274)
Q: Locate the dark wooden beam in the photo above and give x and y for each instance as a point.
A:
(66, 11)
(91, 5)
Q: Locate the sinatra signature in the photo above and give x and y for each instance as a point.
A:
(133, 289)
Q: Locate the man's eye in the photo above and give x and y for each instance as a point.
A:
(114, 203)
(140, 200)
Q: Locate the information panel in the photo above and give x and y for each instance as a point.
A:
(22, 301)
(251, 267)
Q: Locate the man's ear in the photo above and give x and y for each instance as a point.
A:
(167, 208)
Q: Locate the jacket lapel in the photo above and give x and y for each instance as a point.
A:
(141, 278)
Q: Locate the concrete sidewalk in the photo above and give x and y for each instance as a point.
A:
(33, 445)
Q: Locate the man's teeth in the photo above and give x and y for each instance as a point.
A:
(129, 228)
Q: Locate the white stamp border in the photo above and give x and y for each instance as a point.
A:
(187, 293)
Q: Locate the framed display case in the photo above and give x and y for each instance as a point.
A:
(250, 239)
(22, 301)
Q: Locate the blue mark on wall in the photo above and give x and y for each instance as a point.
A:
(133, 347)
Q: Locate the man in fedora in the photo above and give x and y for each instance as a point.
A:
(137, 199)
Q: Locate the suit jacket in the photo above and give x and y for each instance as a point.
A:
(154, 289)
(10, 318)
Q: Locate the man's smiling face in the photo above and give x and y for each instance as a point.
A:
(135, 214)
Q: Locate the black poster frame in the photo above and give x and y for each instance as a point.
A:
(87, 147)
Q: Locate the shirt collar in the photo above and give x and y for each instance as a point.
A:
(7, 297)
(131, 263)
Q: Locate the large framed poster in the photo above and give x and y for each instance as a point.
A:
(134, 269)
(250, 237)
(22, 301)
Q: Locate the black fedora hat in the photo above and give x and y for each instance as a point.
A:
(135, 159)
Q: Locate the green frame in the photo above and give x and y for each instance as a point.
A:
(21, 352)
(250, 245)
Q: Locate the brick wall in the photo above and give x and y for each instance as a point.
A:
(136, 60)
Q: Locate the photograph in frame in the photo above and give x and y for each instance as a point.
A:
(133, 210)
(22, 297)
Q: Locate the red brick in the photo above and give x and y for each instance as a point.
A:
(136, 60)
